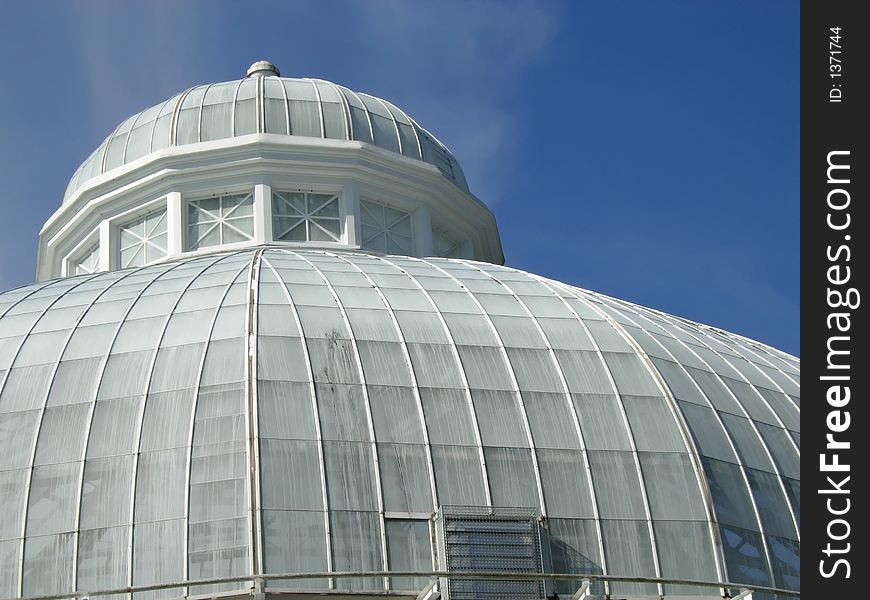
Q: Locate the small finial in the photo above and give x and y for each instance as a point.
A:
(262, 68)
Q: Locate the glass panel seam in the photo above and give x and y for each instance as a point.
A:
(316, 415)
(514, 383)
(199, 114)
(414, 387)
(39, 421)
(173, 125)
(368, 409)
(137, 443)
(718, 553)
(631, 440)
(465, 386)
(728, 437)
(252, 449)
(189, 447)
(127, 141)
(752, 423)
(572, 409)
(319, 107)
(92, 409)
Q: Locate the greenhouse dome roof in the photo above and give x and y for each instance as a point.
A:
(265, 102)
(275, 410)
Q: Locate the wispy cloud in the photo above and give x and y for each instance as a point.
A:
(463, 71)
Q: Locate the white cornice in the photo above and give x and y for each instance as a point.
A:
(266, 158)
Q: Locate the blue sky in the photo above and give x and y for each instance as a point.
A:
(647, 150)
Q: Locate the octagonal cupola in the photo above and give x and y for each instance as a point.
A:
(265, 160)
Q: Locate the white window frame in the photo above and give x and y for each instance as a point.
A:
(119, 224)
(342, 215)
(84, 248)
(187, 201)
(412, 222)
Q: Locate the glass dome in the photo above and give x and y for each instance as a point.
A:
(275, 410)
(263, 102)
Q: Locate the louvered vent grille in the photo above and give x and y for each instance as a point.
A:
(472, 538)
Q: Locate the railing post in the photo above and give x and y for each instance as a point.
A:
(258, 590)
(583, 590)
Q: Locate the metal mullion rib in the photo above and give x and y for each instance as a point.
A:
(368, 116)
(606, 367)
(755, 352)
(39, 419)
(137, 444)
(752, 424)
(392, 118)
(154, 126)
(252, 448)
(194, 405)
(345, 110)
(514, 383)
(319, 107)
(286, 102)
(743, 345)
(572, 409)
(368, 408)
(93, 407)
(199, 116)
(316, 414)
(260, 103)
(173, 121)
(465, 387)
(694, 454)
(233, 113)
(733, 449)
(414, 387)
(127, 141)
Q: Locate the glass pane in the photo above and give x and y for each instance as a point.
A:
(584, 372)
(405, 478)
(685, 552)
(730, 494)
(601, 422)
(511, 477)
(744, 555)
(565, 483)
(409, 548)
(285, 410)
(158, 556)
(574, 549)
(53, 494)
(48, 564)
(105, 491)
(550, 420)
(294, 541)
(290, 475)
(448, 416)
(652, 424)
(671, 486)
(631, 375)
(342, 410)
(617, 487)
(458, 475)
(356, 546)
(396, 414)
(350, 476)
(635, 557)
(102, 558)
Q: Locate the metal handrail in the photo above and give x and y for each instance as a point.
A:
(481, 575)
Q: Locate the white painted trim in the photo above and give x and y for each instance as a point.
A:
(262, 213)
(421, 226)
(208, 167)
